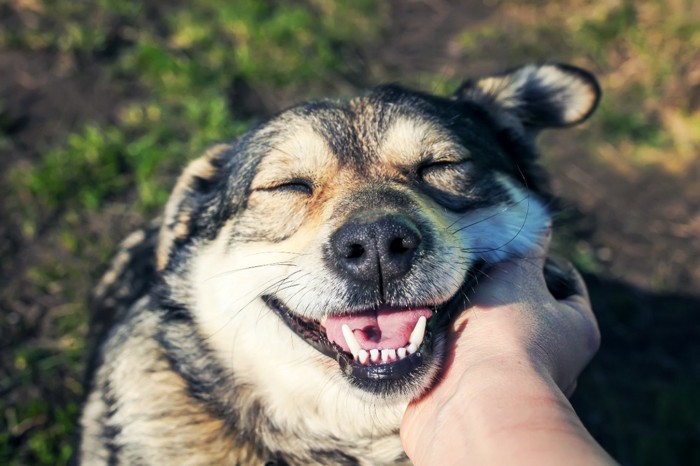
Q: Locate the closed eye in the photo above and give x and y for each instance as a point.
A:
(293, 186)
(429, 170)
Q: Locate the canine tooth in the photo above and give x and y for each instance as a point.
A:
(418, 332)
(363, 356)
(401, 353)
(351, 340)
(374, 355)
(411, 348)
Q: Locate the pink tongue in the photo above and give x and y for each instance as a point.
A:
(384, 329)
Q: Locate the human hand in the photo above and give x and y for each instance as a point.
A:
(511, 356)
(513, 315)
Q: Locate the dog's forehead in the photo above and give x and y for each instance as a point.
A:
(368, 133)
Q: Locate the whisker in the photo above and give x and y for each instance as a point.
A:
(520, 230)
(250, 267)
(294, 253)
(496, 214)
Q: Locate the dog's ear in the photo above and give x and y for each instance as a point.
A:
(187, 201)
(533, 97)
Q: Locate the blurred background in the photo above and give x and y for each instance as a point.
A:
(103, 102)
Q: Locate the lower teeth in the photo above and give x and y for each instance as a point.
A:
(364, 357)
(376, 355)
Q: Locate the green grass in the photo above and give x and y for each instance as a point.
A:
(183, 68)
(181, 62)
(642, 51)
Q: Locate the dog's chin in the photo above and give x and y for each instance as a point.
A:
(401, 374)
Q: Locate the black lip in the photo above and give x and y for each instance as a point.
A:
(374, 377)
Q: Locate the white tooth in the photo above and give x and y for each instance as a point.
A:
(374, 355)
(363, 356)
(401, 353)
(391, 354)
(350, 340)
(385, 355)
(411, 348)
(418, 332)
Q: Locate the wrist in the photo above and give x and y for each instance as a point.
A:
(500, 412)
(475, 398)
(520, 416)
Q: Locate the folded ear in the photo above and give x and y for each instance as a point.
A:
(188, 200)
(536, 96)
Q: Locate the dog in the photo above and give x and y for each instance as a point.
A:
(295, 294)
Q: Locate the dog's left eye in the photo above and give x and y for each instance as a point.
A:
(293, 186)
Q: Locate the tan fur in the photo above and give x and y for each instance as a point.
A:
(201, 367)
(175, 219)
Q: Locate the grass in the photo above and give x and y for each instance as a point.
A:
(181, 61)
(644, 52)
(184, 65)
(179, 69)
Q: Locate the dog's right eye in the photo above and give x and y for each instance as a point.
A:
(443, 173)
(294, 186)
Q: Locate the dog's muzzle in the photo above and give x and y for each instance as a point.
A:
(382, 346)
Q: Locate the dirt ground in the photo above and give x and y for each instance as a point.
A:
(641, 226)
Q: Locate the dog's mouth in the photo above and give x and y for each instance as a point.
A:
(382, 345)
(379, 336)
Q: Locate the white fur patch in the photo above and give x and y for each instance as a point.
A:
(304, 389)
(507, 230)
(576, 94)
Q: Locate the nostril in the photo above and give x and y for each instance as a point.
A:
(403, 245)
(355, 251)
(399, 246)
(373, 248)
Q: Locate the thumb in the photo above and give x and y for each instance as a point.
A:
(510, 280)
(532, 261)
(537, 254)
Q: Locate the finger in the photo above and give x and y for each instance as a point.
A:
(510, 282)
(506, 281)
(580, 300)
(569, 392)
(580, 284)
(537, 254)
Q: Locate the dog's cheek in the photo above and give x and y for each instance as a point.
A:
(271, 217)
(508, 229)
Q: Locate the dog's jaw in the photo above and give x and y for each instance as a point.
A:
(387, 372)
(301, 387)
(398, 365)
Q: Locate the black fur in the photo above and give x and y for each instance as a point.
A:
(163, 389)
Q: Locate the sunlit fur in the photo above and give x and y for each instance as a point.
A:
(198, 369)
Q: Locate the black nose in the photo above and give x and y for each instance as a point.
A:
(375, 248)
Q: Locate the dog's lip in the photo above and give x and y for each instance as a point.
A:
(363, 375)
(312, 330)
(308, 329)
(442, 314)
(382, 329)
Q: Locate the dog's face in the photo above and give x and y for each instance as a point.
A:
(332, 245)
